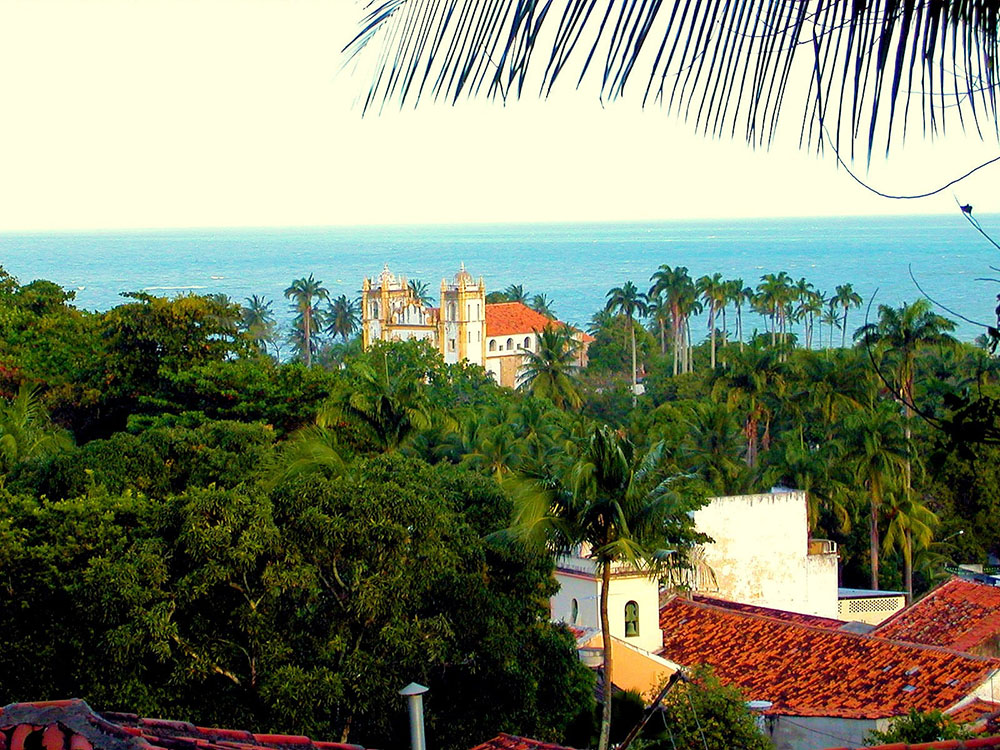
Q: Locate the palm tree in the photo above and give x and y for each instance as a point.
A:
(739, 294)
(675, 286)
(540, 303)
(713, 291)
(420, 292)
(846, 298)
(842, 64)
(877, 450)
(516, 293)
(774, 295)
(911, 528)
(630, 302)
(610, 506)
(26, 431)
(389, 401)
(659, 313)
(904, 331)
(258, 319)
(303, 292)
(753, 375)
(343, 316)
(831, 319)
(803, 294)
(550, 371)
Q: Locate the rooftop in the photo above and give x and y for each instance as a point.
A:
(73, 725)
(508, 318)
(510, 742)
(778, 614)
(814, 671)
(976, 712)
(979, 743)
(958, 614)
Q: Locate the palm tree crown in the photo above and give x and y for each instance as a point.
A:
(853, 69)
(303, 292)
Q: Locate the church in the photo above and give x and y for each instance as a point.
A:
(462, 328)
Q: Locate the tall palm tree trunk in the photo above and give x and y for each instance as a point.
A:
(843, 333)
(711, 325)
(307, 325)
(605, 739)
(635, 397)
(908, 564)
(873, 541)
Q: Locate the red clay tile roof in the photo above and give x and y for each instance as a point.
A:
(809, 671)
(958, 614)
(509, 318)
(979, 743)
(779, 614)
(73, 725)
(975, 712)
(510, 742)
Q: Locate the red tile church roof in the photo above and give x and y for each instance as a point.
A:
(810, 671)
(509, 318)
(512, 318)
(962, 615)
(73, 725)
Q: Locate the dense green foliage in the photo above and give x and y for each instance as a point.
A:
(193, 528)
(916, 727)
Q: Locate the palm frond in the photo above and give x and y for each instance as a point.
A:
(857, 68)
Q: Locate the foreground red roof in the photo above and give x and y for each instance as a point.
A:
(958, 614)
(510, 742)
(778, 614)
(979, 743)
(811, 671)
(73, 725)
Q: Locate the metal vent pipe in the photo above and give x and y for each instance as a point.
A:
(414, 694)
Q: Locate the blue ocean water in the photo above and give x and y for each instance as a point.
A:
(574, 264)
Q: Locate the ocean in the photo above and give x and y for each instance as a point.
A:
(574, 264)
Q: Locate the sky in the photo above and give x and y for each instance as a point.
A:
(121, 114)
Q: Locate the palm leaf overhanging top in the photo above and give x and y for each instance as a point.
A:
(856, 66)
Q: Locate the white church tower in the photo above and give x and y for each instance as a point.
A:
(633, 601)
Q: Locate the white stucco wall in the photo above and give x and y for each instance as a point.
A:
(586, 590)
(812, 732)
(761, 554)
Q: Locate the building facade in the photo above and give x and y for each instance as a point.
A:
(463, 328)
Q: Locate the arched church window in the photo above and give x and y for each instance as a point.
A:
(493, 345)
(631, 619)
(527, 342)
(510, 344)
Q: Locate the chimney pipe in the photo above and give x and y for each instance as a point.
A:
(414, 694)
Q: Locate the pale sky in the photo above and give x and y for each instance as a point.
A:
(195, 113)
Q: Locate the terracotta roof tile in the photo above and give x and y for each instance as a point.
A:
(508, 318)
(511, 742)
(73, 725)
(810, 671)
(978, 713)
(959, 614)
(979, 743)
(778, 614)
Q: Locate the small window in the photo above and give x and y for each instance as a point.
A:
(574, 617)
(479, 336)
(527, 342)
(631, 619)
(451, 345)
(470, 337)
(493, 345)
(510, 344)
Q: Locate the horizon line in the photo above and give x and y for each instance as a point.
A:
(403, 225)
